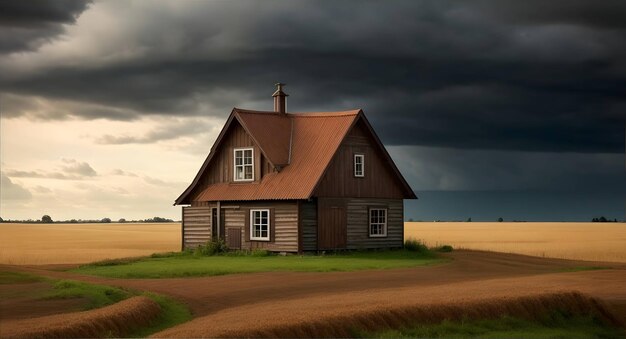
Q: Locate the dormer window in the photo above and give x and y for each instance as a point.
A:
(244, 164)
(359, 165)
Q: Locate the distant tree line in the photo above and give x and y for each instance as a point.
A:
(46, 219)
(600, 219)
(603, 219)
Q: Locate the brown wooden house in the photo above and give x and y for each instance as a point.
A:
(294, 182)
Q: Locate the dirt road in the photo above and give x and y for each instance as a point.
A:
(236, 302)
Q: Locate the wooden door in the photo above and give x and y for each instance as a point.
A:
(331, 225)
(234, 238)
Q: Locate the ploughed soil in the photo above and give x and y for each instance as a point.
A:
(110, 321)
(262, 303)
(25, 300)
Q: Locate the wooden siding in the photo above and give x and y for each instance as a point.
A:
(308, 218)
(379, 181)
(284, 226)
(196, 226)
(358, 223)
(221, 168)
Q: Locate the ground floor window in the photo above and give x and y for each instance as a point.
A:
(378, 222)
(260, 224)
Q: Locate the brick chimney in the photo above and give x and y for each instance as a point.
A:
(280, 99)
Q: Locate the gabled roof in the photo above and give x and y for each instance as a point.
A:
(302, 144)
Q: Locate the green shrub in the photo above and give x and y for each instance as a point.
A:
(211, 248)
(444, 248)
(415, 246)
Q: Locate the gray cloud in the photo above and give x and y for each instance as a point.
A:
(42, 190)
(170, 131)
(120, 172)
(78, 168)
(72, 170)
(481, 75)
(447, 169)
(26, 25)
(13, 191)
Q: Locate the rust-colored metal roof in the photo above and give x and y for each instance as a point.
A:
(313, 138)
(271, 131)
(302, 144)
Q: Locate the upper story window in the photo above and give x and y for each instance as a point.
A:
(244, 164)
(260, 225)
(359, 165)
(378, 222)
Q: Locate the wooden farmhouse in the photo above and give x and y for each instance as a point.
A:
(295, 182)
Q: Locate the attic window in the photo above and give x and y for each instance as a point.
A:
(359, 165)
(244, 164)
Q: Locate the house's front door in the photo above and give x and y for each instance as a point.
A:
(331, 230)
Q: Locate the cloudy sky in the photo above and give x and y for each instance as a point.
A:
(490, 108)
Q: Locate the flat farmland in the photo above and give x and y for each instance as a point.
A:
(33, 244)
(38, 244)
(567, 240)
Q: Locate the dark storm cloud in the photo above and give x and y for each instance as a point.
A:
(26, 25)
(544, 76)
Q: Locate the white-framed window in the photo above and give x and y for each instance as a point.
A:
(359, 165)
(260, 225)
(378, 222)
(244, 164)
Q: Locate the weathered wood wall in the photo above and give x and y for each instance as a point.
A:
(358, 223)
(221, 168)
(308, 215)
(284, 226)
(196, 226)
(379, 181)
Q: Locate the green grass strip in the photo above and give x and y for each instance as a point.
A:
(8, 277)
(172, 314)
(554, 326)
(189, 265)
(97, 295)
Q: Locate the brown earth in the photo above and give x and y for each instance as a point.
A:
(110, 321)
(24, 300)
(246, 303)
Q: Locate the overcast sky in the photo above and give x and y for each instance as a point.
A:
(108, 108)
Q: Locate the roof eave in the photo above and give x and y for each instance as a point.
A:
(181, 200)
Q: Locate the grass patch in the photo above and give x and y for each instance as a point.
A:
(98, 295)
(172, 313)
(555, 325)
(189, 265)
(7, 277)
(584, 268)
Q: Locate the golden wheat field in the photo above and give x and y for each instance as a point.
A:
(569, 240)
(33, 244)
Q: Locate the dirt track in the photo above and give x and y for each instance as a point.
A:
(263, 299)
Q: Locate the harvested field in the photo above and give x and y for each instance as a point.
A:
(275, 299)
(333, 322)
(568, 240)
(35, 244)
(111, 321)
